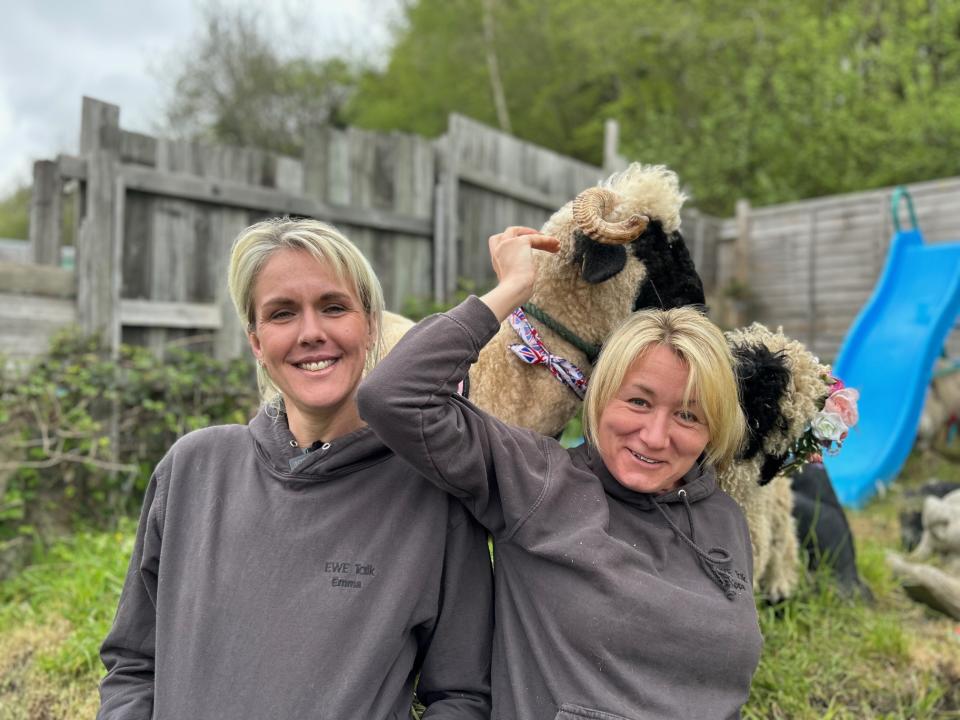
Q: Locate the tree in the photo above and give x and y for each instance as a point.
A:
(768, 100)
(235, 88)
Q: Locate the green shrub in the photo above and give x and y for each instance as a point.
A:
(80, 431)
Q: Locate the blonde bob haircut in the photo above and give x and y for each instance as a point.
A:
(701, 347)
(254, 246)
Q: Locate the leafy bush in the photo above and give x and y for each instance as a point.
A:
(80, 431)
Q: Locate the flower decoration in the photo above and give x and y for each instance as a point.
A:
(829, 427)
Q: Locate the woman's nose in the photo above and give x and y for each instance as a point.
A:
(311, 329)
(655, 432)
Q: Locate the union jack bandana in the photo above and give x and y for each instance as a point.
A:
(533, 352)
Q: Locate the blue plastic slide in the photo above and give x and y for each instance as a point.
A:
(889, 355)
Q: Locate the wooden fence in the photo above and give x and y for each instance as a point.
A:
(155, 218)
(810, 266)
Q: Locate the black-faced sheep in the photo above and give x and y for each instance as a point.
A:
(621, 250)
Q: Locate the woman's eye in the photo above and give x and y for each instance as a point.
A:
(334, 309)
(280, 314)
(687, 417)
(639, 402)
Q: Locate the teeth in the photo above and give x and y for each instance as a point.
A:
(644, 458)
(314, 366)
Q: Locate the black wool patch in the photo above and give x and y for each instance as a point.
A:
(671, 279)
(771, 466)
(763, 378)
(598, 262)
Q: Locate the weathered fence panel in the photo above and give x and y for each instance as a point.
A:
(812, 265)
(156, 218)
(35, 302)
(493, 180)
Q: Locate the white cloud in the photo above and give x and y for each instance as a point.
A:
(56, 51)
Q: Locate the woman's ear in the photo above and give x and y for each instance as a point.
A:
(255, 344)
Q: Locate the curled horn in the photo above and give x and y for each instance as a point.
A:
(589, 209)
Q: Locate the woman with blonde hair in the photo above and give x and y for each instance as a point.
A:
(295, 567)
(622, 572)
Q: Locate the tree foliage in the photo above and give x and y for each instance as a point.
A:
(767, 100)
(80, 430)
(15, 214)
(236, 87)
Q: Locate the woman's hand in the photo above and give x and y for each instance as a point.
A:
(511, 253)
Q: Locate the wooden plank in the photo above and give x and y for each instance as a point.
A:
(45, 213)
(33, 309)
(137, 245)
(72, 167)
(491, 183)
(289, 175)
(138, 148)
(217, 192)
(230, 340)
(159, 314)
(451, 210)
(100, 145)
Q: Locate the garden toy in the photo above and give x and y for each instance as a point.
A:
(889, 354)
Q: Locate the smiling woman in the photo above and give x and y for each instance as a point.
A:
(295, 567)
(623, 573)
(312, 336)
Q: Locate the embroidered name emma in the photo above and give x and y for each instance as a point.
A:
(345, 567)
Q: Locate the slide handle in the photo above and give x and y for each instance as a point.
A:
(898, 195)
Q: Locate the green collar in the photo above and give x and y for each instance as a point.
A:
(589, 349)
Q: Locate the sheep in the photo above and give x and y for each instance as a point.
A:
(620, 251)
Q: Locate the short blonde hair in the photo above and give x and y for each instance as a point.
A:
(702, 348)
(254, 246)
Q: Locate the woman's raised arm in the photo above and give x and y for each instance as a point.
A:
(411, 400)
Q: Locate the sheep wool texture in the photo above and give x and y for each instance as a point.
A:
(604, 608)
(271, 583)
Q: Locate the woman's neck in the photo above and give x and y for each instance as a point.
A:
(308, 428)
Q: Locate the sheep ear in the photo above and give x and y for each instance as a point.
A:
(599, 262)
(763, 378)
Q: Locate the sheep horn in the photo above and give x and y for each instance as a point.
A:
(589, 209)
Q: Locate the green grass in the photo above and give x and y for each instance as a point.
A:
(825, 656)
(53, 617)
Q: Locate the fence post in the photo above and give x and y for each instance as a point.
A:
(45, 214)
(613, 161)
(812, 281)
(449, 250)
(741, 254)
(97, 308)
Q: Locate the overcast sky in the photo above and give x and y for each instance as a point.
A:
(53, 52)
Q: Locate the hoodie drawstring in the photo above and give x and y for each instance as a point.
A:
(714, 561)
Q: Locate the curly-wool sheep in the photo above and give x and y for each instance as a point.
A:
(621, 251)
(591, 287)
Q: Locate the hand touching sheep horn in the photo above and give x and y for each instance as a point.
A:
(511, 253)
(590, 209)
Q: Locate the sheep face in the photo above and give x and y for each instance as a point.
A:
(621, 251)
(782, 386)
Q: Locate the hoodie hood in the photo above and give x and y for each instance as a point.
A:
(700, 482)
(341, 456)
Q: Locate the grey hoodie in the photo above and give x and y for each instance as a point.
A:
(258, 591)
(605, 606)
